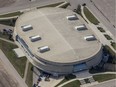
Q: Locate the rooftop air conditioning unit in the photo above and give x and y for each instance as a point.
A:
(26, 27)
(80, 27)
(44, 49)
(90, 38)
(72, 17)
(35, 38)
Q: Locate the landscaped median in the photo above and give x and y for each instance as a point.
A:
(113, 44)
(104, 77)
(90, 16)
(101, 29)
(9, 18)
(29, 77)
(107, 37)
(11, 14)
(75, 83)
(51, 5)
(18, 63)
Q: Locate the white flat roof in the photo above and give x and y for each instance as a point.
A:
(19, 52)
(66, 44)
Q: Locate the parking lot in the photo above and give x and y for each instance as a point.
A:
(6, 3)
(107, 8)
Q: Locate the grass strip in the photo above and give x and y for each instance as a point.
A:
(104, 77)
(90, 16)
(18, 63)
(29, 77)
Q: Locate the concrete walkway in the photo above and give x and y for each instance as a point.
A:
(9, 67)
(26, 69)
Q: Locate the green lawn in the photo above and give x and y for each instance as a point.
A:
(29, 77)
(11, 14)
(90, 16)
(65, 6)
(51, 5)
(5, 36)
(101, 29)
(113, 44)
(104, 77)
(18, 63)
(67, 78)
(75, 83)
(9, 22)
(107, 37)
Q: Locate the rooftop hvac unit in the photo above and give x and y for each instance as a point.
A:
(72, 17)
(44, 49)
(35, 38)
(90, 38)
(80, 27)
(26, 27)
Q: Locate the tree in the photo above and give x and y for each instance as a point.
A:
(78, 9)
(10, 36)
(84, 4)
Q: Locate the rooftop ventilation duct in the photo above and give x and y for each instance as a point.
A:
(72, 17)
(44, 49)
(26, 27)
(35, 38)
(90, 38)
(80, 27)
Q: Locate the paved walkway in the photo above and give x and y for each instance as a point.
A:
(9, 67)
(26, 69)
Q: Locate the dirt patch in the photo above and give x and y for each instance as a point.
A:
(5, 3)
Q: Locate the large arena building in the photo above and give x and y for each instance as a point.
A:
(57, 41)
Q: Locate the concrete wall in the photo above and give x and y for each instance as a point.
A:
(95, 59)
